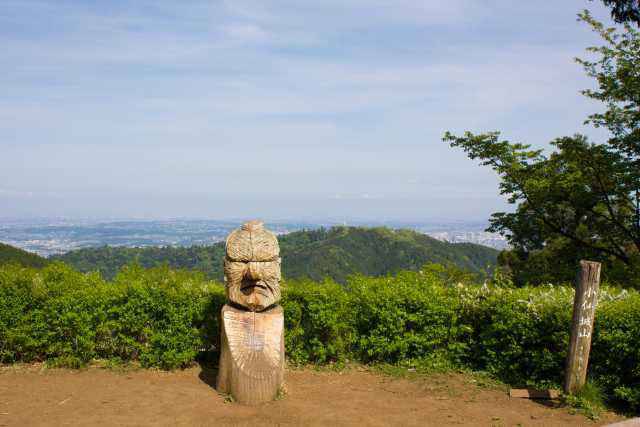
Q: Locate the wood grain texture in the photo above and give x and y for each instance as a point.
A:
(252, 354)
(252, 267)
(252, 242)
(584, 310)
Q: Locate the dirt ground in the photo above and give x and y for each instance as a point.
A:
(31, 395)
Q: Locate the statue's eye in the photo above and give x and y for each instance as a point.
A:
(234, 270)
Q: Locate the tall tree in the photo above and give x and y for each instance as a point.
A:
(583, 199)
(623, 11)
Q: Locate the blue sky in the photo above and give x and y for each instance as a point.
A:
(277, 109)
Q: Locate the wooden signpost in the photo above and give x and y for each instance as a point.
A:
(584, 309)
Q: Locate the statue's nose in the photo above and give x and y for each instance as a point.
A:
(253, 271)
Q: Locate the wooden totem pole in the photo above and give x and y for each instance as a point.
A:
(252, 323)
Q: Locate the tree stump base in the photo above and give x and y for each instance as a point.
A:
(251, 365)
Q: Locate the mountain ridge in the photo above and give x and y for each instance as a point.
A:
(335, 253)
(11, 254)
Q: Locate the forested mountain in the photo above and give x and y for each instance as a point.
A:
(10, 254)
(335, 253)
(342, 251)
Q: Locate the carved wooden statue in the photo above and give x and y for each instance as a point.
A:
(252, 324)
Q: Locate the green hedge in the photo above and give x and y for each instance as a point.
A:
(159, 317)
(166, 318)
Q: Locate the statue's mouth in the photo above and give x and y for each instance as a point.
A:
(248, 287)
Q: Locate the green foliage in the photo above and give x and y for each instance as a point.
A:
(519, 335)
(318, 322)
(12, 255)
(158, 316)
(405, 319)
(563, 209)
(451, 275)
(343, 251)
(412, 322)
(109, 260)
(624, 10)
(332, 253)
(615, 357)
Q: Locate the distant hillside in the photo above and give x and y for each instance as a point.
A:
(10, 254)
(342, 251)
(335, 253)
(109, 259)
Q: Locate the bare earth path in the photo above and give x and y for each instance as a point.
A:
(32, 396)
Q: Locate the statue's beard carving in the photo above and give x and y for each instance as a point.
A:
(254, 285)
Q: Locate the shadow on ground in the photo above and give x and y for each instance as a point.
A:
(208, 372)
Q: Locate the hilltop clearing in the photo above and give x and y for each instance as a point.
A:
(145, 397)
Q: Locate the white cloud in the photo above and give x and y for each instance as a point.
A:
(248, 33)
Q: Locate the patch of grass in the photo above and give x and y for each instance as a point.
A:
(117, 365)
(337, 366)
(66, 362)
(226, 397)
(282, 392)
(413, 371)
(484, 380)
(396, 370)
(435, 363)
(589, 401)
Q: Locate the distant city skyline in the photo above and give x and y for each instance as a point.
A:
(278, 109)
(48, 236)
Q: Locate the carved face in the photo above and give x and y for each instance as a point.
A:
(252, 267)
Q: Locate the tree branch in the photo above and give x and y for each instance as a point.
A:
(558, 229)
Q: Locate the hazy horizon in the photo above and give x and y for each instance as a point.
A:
(302, 219)
(155, 109)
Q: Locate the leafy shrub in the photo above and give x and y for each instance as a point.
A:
(318, 322)
(615, 353)
(519, 335)
(405, 318)
(156, 316)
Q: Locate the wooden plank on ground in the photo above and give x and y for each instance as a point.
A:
(529, 393)
(633, 422)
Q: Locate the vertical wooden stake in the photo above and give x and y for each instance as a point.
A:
(584, 310)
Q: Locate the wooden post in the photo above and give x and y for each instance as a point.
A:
(584, 309)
